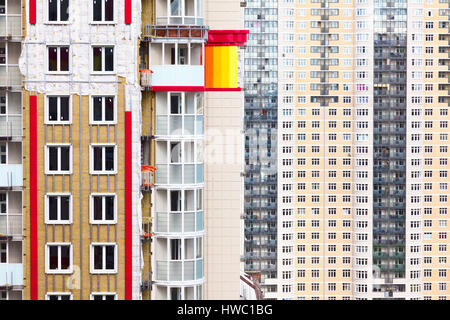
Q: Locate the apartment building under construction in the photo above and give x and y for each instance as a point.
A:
(120, 148)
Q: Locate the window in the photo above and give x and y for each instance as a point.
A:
(58, 58)
(58, 208)
(3, 252)
(59, 110)
(103, 59)
(103, 110)
(103, 208)
(58, 296)
(102, 11)
(3, 153)
(58, 159)
(103, 296)
(58, 10)
(103, 258)
(103, 159)
(58, 257)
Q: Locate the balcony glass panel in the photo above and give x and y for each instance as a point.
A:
(189, 125)
(189, 221)
(199, 221)
(11, 225)
(11, 274)
(175, 173)
(176, 125)
(189, 270)
(189, 173)
(11, 175)
(199, 125)
(175, 222)
(10, 126)
(11, 25)
(175, 271)
(10, 76)
(199, 269)
(178, 75)
(199, 176)
(161, 222)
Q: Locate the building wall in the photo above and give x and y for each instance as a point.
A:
(223, 168)
(223, 194)
(80, 84)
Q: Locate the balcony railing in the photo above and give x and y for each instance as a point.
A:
(178, 75)
(11, 176)
(179, 125)
(11, 26)
(179, 174)
(10, 76)
(164, 30)
(183, 270)
(10, 126)
(190, 221)
(11, 274)
(11, 225)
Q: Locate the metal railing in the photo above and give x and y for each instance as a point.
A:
(150, 31)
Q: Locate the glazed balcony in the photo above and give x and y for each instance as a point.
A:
(11, 19)
(174, 65)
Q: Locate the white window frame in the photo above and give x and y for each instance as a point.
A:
(46, 109)
(47, 257)
(46, 7)
(58, 59)
(91, 208)
(91, 158)
(48, 294)
(91, 248)
(91, 109)
(91, 13)
(102, 294)
(47, 207)
(91, 58)
(47, 160)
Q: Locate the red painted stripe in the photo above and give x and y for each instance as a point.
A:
(128, 207)
(32, 11)
(128, 13)
(178, 88)
(33, 200)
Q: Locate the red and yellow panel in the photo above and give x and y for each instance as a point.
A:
(221, 59)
